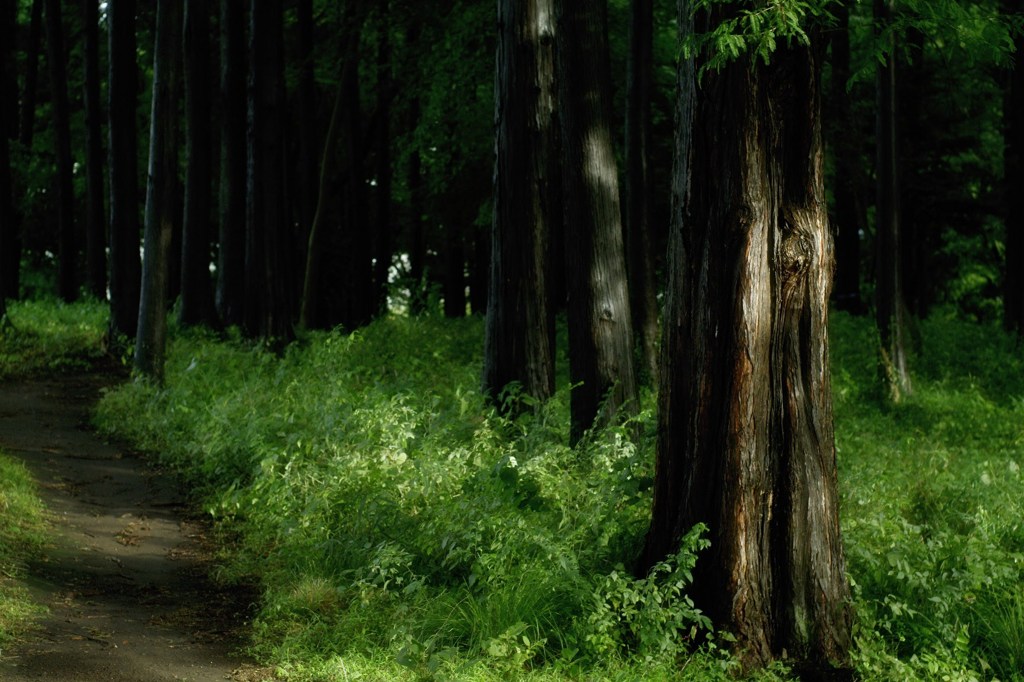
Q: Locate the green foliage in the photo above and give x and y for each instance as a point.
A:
(21, 535)
(49, 335)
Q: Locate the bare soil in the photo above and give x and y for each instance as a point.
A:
(126, 577)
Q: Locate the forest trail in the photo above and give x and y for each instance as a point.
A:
(125, 577)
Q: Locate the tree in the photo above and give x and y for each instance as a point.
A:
(125, 269)
(8, 219)
(890, 309)
(231, 294)
(268, 312)
(95, 213)
(67, 277)
(639, 242)
(161, 192)
(1013, 117)
(745, 438)
(519, 345)
(600, 326)
(849, 218)
(383, 173)
(28, 101)
(196, 302)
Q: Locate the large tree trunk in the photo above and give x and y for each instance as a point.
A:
(639, 242)
(268, 304)
(67, 245)
(519, 343)
(196, 284)
(600, 325)
(850, 218)
(95, 214)
(231, 254)
(125, 268)
(745, 437)
(307, 123)
(1013, 187)
(161, 193)
(890, 308)
(8, 68)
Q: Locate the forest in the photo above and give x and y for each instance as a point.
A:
(543, 339)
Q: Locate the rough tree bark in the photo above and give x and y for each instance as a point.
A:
(519, 341)
(639, 242)
(161, 192)
(196, 302)
(230, 295)
(745, 437)
(600, 326)
(95, 213)
(890, 309)
(67, 244)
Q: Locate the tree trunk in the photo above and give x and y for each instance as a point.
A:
(519, 343)
(639, 242)
(890, 308)
(8, 218)
(161, 193)
(268, 306)
(28, 101)
(850, 218)
(10, 241)
(307, 128)
(196, 284)
(95, 215)
(453, 288)
(231, 292)
(600, 326)
(745, 437)
(418, 287)
(383, 245)
(1013, 184)
(125, 269)
(67, 258)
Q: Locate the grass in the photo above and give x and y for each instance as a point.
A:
(401, 530)
(21, 534)
(46, 336)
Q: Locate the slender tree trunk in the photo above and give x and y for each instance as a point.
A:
(600, 326)
(125, 269)
(161, 193)
(95, 215)
(453, 288)
(519, 343)
(745, 438)
(268, 305)
(28, 101)
(357, 300)
(383, 245)
(67, 258)
(850, 218)
(231, 292)
(196, 284)
(890, 307)
(418, 287)
(1013, 183)
(639, 242)
(307, 128)
(10, 225)
(8, 217)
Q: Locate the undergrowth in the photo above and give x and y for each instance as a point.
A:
(21, 535)
(46, 335)
(402, 530)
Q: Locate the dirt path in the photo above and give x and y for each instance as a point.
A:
(125, 579)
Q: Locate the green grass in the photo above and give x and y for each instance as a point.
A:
(401, 530)
(46, 335)
(21, 534)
